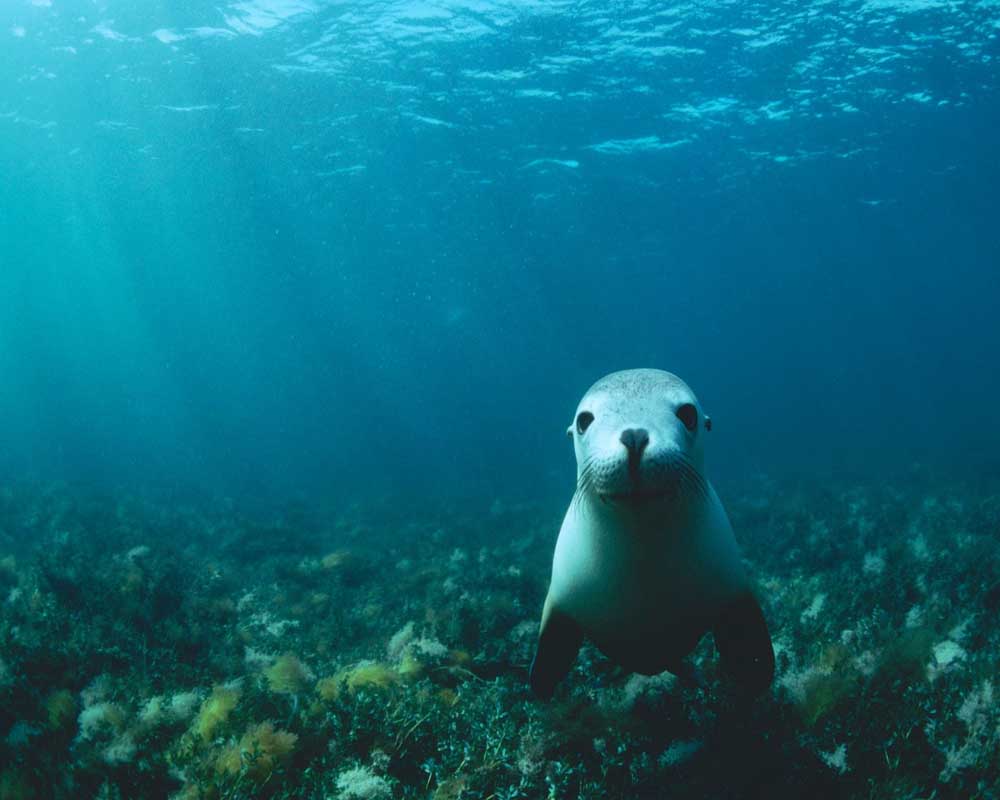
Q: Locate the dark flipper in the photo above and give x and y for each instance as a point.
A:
(558, 643)
(745, 645)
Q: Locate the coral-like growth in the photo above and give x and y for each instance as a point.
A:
(99, 718)
(360, 783)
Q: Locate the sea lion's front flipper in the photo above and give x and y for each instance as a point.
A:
(558, 643)
(744, 644)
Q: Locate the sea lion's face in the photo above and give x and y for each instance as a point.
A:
(638, 436)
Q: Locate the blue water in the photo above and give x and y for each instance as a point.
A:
(277, 246)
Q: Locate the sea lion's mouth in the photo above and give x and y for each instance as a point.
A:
(634, 496)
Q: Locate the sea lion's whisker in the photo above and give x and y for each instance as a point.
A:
(584, 480)
(690, 477)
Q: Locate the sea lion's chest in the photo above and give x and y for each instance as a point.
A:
(625, 574)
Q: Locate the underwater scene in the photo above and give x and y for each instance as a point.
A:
(499, 399)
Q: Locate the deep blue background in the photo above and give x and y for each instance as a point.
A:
(354, 265)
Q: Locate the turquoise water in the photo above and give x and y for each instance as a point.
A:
(290, 285)
(248, 244)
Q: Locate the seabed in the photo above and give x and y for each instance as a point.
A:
(156, 648)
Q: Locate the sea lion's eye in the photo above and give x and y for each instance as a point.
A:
(688, 414)
(583, 420)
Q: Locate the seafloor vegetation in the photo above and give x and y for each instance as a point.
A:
(150, 648)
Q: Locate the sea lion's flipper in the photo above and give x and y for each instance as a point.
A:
(687, 673)
(558, 643)
(744, 644)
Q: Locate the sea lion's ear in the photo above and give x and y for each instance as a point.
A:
(569, 431)
(708, 423)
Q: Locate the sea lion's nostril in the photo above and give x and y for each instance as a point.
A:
(635, 441)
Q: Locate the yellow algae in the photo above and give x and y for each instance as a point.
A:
(189, 791)
(335, 559)
(410, 668)
(60, 709)
(315, 708)
(133, 581)
(447, 697)
(215, 711)
(823, 691)
(364, 676)
(370, 675)
(288, 675)
(259, 751)
(328, 689)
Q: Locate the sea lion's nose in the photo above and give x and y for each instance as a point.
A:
(635, 441)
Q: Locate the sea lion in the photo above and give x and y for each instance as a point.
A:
(646, 562)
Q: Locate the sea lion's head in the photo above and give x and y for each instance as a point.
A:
(638, 437)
